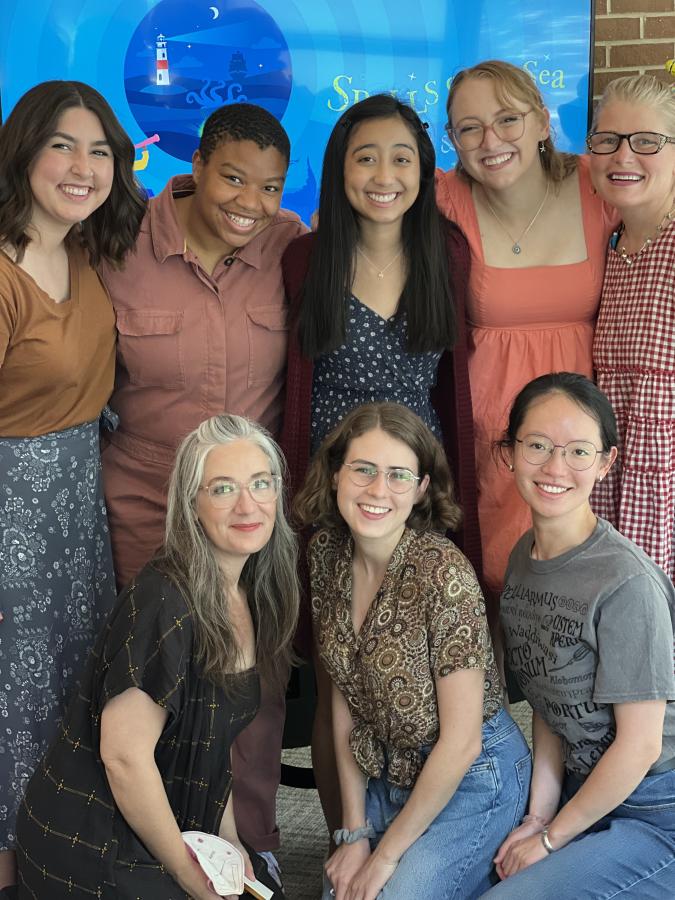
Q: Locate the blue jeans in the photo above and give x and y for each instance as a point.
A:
(628, 853)
(452, 860)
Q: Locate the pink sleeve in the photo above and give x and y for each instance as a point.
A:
(445, 198)
(610, 216)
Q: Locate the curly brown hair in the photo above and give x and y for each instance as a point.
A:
(437, 510)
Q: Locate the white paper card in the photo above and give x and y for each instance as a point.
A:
(222, 863)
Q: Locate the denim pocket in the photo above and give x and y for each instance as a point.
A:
(523, 769)
(655, 793)
(479, 787)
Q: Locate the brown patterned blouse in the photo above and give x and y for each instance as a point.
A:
(426, 621)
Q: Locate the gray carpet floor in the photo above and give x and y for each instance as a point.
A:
(303, 830)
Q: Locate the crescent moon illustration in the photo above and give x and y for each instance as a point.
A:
(215, 11)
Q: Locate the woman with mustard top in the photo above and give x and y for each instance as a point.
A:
(68, 200)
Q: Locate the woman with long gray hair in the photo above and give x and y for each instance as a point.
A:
(143, 752)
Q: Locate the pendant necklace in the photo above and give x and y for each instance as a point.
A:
(516, 248)
(380, 272)
(629, 259)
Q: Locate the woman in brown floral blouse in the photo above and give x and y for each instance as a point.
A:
(433, 771)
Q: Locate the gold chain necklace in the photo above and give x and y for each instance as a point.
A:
(629, 259)
(380, 272)
(516, 248)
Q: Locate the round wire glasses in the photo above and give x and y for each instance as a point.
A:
(399, 480)
(538, 449)
(224, 492)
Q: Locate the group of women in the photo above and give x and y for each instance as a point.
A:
(421, 344)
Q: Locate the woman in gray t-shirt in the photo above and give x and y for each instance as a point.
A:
(588, 627)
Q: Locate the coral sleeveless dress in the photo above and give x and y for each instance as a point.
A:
(522, 323)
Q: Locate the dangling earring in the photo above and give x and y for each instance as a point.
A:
(600, 478)
(542, 147)
(511, 469)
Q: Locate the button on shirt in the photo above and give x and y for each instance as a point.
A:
(192, 345)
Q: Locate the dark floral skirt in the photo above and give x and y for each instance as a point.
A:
(56, 587)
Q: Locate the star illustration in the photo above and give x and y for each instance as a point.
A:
(412, 76)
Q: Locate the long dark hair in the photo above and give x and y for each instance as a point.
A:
(110, 231)
(426, 300)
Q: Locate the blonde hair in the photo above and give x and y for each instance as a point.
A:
(269, 576)
(513, 83)
(645, 90)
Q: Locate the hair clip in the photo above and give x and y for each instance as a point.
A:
(425, 125)
(345, 123)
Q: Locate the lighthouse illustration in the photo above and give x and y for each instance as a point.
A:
(162, 61)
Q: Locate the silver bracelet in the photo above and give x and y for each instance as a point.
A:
(345, 836)
(548, 846)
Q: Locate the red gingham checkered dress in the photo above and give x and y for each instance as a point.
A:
(634, 357)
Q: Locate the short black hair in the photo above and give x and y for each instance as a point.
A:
(580, 390)
(243, 122)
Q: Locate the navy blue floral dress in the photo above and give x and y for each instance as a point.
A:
(372, 366)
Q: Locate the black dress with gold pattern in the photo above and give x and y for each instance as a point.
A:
(72, 840)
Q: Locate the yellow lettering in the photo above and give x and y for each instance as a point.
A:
(544, 76)
(558, 80)
(430, 88)
(340, 92)
(529, 66)
(411, 97)
(359, 94)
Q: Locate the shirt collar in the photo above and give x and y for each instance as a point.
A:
(168, 238)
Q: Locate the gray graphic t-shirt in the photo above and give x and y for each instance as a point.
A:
(588, 629)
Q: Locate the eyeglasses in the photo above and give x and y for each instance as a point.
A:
(538, 449)
(507, 127)
(399, 480)
(646, 143)
(224, 492)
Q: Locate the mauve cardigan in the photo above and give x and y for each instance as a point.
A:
(451, 397)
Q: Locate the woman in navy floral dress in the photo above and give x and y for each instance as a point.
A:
(377, 315)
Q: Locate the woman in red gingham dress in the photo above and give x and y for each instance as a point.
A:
(633, 167)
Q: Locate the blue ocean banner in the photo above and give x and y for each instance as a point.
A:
(165, 65)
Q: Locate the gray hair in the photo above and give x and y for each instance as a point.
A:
(645, 90)
(269, 576)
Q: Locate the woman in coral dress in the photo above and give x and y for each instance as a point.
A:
(538, 235)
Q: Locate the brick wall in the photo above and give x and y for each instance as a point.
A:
(632, 36)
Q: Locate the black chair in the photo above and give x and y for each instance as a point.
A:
(300, 705)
